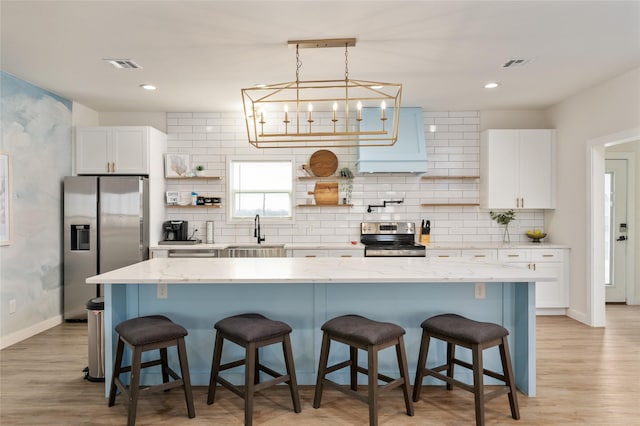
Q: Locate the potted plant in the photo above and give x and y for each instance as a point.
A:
(504, 219)
(347, 184)
(199, 170)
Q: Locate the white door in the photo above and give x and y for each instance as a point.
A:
(615, 241)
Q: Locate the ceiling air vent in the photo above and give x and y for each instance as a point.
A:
(123, 63)
(511, 63)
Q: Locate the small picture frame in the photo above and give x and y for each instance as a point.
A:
(173, 197)
(177, 165)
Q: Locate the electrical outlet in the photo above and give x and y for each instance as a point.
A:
(480, 291)
(163, 291)
(12, 306)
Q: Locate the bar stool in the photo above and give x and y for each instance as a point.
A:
(362, 333)
(477, 336)
(252, 331)
(145, 334)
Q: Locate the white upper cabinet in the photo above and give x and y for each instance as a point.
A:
(517, 169)
(408, 154)
(112, 150)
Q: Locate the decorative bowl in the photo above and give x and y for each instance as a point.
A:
(536, 235)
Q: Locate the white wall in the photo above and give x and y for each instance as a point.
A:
(608, 108)
(518, 119)
(153, 119)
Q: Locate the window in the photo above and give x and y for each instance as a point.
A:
(260, 186)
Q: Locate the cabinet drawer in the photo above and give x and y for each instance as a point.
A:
(486, 255)
(546, 255)
(443, 254)
(514, 255)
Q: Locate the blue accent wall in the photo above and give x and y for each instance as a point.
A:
(36, 133)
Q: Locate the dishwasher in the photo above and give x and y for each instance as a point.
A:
(193, 253)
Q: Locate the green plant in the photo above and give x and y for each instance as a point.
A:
(200, 167)
(504, 219)
(347, 184)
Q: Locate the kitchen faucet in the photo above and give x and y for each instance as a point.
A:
(256, 229)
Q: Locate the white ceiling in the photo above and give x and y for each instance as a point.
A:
(201, 53)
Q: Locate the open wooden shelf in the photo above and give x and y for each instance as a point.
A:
(450, 204)
(450, 177)
(334, 177)
(190, 206)
(324, 205)
(194, 177)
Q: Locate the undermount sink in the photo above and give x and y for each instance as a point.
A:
(254, 250)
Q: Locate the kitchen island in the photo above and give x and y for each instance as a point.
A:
(306, 292)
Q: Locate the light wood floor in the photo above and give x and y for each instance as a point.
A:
(585, 376)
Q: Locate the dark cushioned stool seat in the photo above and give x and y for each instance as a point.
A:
(252, 331)
(151, 329)
(145, 334)
(372, 336)
(252, 327)
(464, 329)
(457, 330)
(362, 330)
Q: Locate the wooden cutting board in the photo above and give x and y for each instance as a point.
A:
(325, 193)
(323, 163)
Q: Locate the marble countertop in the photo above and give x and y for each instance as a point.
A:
(360, 246)
(316, 270)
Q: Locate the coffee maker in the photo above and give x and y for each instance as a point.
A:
(175, 230)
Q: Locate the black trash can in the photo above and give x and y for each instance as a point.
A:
(95, 321)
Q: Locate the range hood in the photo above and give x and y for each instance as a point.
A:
(407, 155)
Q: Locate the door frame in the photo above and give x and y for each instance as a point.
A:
(629, 284)
(596, 316)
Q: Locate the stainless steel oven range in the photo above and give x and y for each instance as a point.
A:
(390, 239)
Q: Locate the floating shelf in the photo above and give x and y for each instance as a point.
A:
(320, 177)
(194, 177)
(189, 206)
(450, 204)
(324, 205)
(450, 177)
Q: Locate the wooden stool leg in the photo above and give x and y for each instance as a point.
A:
(505, 357)
(322, 367)
(164, 365)
(451, 354)
(422, 364)
(291, 371)
(249, 383)
(404, 374)
(186, 379)
(116, 372)
(256, 373)
(373, 384)
(478, 383)
(134, 387)
(215, 368)
(353, 368)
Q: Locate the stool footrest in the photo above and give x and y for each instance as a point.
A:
(336, 367)
(342, 388)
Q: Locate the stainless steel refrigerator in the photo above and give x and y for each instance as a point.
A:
(105, 228)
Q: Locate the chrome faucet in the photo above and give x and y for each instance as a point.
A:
(256, 229)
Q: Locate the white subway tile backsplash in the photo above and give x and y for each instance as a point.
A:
(452, 150)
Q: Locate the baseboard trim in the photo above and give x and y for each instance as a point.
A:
(578, 316)
(31, 331)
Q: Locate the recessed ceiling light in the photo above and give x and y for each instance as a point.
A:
(148, 86)
(491, 85)
(376, 87)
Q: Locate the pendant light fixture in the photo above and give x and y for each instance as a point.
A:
(322, 113)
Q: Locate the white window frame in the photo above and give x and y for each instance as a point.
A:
(230, 194)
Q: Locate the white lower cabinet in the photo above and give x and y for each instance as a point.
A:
(552, 297)
(487, 255)
(326, 253)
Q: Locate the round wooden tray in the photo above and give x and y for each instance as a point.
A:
(323, 163)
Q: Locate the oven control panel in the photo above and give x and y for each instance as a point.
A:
(402, 228)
